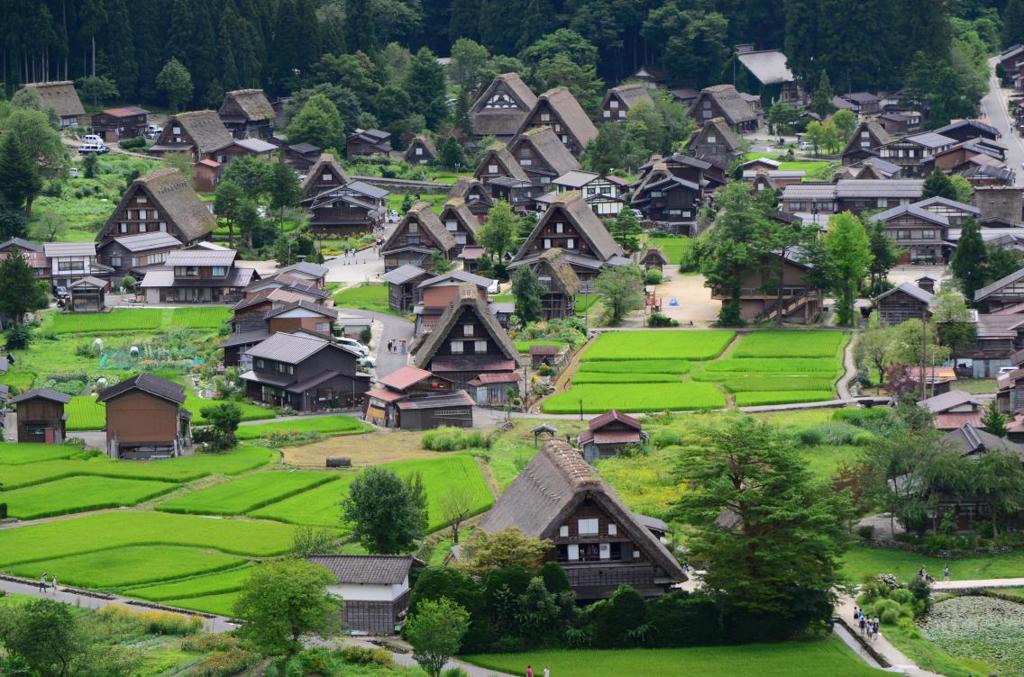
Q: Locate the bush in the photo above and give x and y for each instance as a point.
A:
(450, 438)
(659, 320)
(809, 437)
(134, 142)
(366, 656)
(860, 416)
(653, 276)
(866, 532)
(18, 337)
(666, 438)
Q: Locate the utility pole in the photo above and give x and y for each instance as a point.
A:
(924, 354)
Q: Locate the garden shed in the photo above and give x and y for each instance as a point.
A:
(609, 433)
(375, 588)
(87, 294)
(41, 416)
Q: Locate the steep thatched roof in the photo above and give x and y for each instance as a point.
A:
(499, 154)
(172, 194)
(424, 216)
(251, 104)
(205, 128)
(421, 140)
(326, 161)
(583, 219)
(566, 107)
(504, 120)
(60, 96)
(467, 297)
(560, 270)
(733, 105)
(549, 491)
(548, 147)
(630, 94)
(455, 207)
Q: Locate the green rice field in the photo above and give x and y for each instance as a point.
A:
(85, 413)
(231, 580)
(222, 604)
(79, 494)
(327, 425)
(685, 370)
(13, 453)
(246, 493)
(138, 319)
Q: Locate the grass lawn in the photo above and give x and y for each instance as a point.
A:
(789, 344)
(118, 320)
(789, 659)
(181, 469)
(644, 345)
(118, 567)
(328, 425)
(245, 494)
(195, 586)
(638, 397)
(79, 494)
(672, 247)
(250, 411)
(14, 453)
(370, 296)
(524, 346)
(320, 506)
(124, 528)
(860, 561)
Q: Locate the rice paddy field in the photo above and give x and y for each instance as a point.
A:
(701, 370)
(328, 425)
(80, 494)
(137, 319)
(245, 494)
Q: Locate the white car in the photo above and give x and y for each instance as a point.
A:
(367, 361)
(153, 131)
(93, 138)
(353, 345)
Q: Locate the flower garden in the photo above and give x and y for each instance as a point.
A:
(637, 371)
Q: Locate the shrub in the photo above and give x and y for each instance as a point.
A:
(450, 438)
(866, 532)
(860, 416)
(366, 656)
(653, 276)
(134, 142)
(18, 337)
(659, 320)
(809, 437)
(666, 438)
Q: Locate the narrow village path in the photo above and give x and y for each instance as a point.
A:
(899, 661)
(979, 584)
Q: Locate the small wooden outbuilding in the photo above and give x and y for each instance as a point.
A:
(41, 416)
(608, 433)
(87, 294)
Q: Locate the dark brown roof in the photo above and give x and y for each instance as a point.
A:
(467, 297)
(172, 192)
(614, 415)
(305, 305)
(565, 105)
(147, 383)
(252, 104)
(551, 487)
(314, 172)
(206, 129)
(367, 569)
(60, 96)
(549, 147)
(43, 394)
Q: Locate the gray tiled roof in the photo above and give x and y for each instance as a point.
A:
(909, 289)
(147, 383)
(147, 241)
(289, 348)
(366, 569)
(42, 393)
(403, 274)
(201, 257)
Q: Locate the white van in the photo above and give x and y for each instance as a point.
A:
(93, 139)
(97, 148)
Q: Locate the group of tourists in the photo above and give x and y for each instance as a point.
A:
(396, 345)
(868, 626)
(43, 585)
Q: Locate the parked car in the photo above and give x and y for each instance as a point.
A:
(353, 345)
(153, 131)
(367, 361)
(97, 148)
(61, 292)
(1006, 370)
(93, 138)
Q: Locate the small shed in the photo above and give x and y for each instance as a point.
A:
(608, 433)
(87, 294)
(41, 416)
(375, 588)
(206, 175)
(543, 355)
(937, 380)
(653, 258)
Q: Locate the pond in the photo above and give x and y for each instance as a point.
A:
(980, 628)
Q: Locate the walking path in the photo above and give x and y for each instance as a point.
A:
(940, 586)
(899, 661)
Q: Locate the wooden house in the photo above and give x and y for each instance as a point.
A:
(206, 175)
(301, 156)
(869, 168)
(437, 292)
(375, 588)
(271, 310)
(953, 410)
(765, 291)
(860, 195)
(1003, 294)
(326, 174)
(901, 123)
(867, 138)
(903, 302)
(619, 100)
(34, 254)
(558, 109)
(916, 154)
(500, 110)
(997, 338)
(1010, 389)
(715, 142)
(135, 254)
(608, 434)
(114, 124)
(670, 193)
(367, 142)
(922, 234)
(1010, 59)
(476, 196)
(596, 539)
(652, 258)
(41, 417)
(353, 208)
(199, 133)
(247, 114)
(937, 380)
(254, 147)
(304, 372)
(967, 130)
(87, 295)
(542, 156)
(954, 212)
(498, 162)
(561, 283)
(415, 239)
(197, 275)
(604, 194)
(70, 261)
(570, 225)
(313, 274)
(146, 418)
(770, 70)
(414, 399)
(723, 101)
(522, 194)
(466, 343)
(62, 98)
(403, 284)
(460, 222)
(421, 151)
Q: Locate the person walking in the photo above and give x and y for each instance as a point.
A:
(403, 346)
(391, 342)
(53, 582)
(529, 671)
(945, 573)
(547, 672)
(862, 623)
(42, 583)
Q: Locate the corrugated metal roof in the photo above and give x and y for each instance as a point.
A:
(54, 249)
(201, 257)
(769, 66)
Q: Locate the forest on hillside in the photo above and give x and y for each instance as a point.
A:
(287, 45)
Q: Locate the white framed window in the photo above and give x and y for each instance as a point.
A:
(614, 103)
(636, 554)
(460, 238)
(545, 117)
(712, 138)
(419, 150)
(570, 243)
(607, 114)
(547, 243)
(622, 114)
(326, 176)
(414, 227)
(526, 162)
(451, 226)
(163, 226)
(563, 531)
(124, 227)
(606, 551)
(142, 228)
(613, 529)
(175, 130)
(467, 330)
(573, 552)
(142, 215)
(588, 526)
(456, 347)
(492, 169)
(140, 199)
(219, 271)
(559, 227)
(480, 346)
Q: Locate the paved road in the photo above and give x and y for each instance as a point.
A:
(993, 107)
(391, 327)
(981, 584)
(896, 658)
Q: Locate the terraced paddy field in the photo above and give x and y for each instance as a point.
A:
(699, 370)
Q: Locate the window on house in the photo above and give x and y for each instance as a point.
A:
(142, 228)
(606, 551)
(163, 226)
(480, 346)
(588, 526)
(526, 162)
(563, 531)
(607, 114)
(570, 243)
(414, 227)
(492, 169)
(456, 347)
(140, 199)
(467, 330)
(452, 226)
(622, 114)
(573, 552)
(545, 117)
(712, 138)
(927, 234)
(259, 363)
(559, 227)
(613, 530)
(115, 261)
(219, 271)
(124, 227)
(419, 151)
(142, 215)
(326, 176)
(547, 243)
(175, 130)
